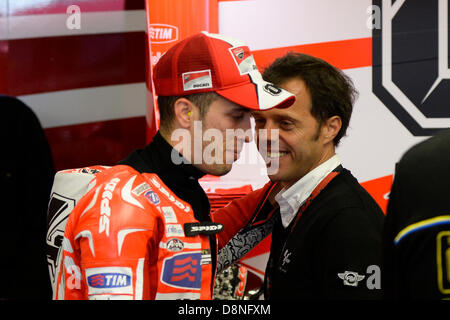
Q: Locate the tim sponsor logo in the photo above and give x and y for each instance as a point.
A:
(163, 33)
(109, 280)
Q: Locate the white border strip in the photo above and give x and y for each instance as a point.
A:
(53, 25)
(61, 108)
(272, 24)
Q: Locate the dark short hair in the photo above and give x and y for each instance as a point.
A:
(166, 103)
(332, 92)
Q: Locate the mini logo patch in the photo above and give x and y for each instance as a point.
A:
(350, 278)
(196, 80)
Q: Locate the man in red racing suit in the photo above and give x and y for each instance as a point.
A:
(142, 229)
(130, 237)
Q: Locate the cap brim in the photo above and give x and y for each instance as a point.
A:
(259, 95)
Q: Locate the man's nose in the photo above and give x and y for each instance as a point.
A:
(269, 132)
(247, 127)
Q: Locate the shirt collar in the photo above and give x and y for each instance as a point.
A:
(291, 199)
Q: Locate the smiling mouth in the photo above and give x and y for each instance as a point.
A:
(275, 155)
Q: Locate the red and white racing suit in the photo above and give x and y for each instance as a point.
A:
(130, 237)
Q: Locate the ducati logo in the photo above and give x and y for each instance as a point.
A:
(411, 73)
(244, 59)
(239, 52)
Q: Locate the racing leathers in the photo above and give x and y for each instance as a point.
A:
(142, 230)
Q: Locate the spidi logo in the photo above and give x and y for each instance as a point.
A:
(163, 33)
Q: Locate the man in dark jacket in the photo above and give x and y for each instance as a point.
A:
(326, 229)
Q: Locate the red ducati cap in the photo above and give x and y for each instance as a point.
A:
(208, 62)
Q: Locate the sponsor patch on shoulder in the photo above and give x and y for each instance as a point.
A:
(109, 280)
(183, 271)
(206, 257)
(152, 197)
(169, 215)
(174, 230)
(175, 245)
(141, 188)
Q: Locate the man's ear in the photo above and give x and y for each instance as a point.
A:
(183, 109)
(331, 128)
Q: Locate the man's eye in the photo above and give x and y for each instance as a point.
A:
(286, 124)
(259, 121)
(237, 116)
